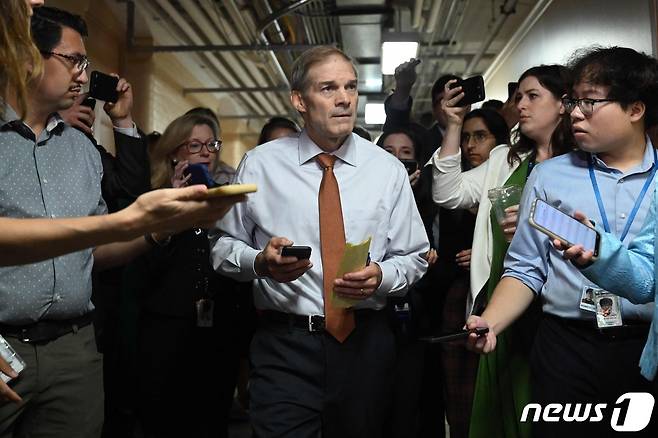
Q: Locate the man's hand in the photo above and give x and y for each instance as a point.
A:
(270, 263)
(463, 259)
(577, 253)
(79, 116)
(6, 393)
(359, 285)
(454, 114)
(405, 75)
(173, 210)
(480, 344)
(121, 111)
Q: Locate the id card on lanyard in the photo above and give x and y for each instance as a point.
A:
(608, 306)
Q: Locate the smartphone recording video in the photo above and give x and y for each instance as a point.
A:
(473, 89)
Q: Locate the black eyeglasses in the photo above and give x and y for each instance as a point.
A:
(586, 105)
(194, 147)
(478, 137)
(80, 62)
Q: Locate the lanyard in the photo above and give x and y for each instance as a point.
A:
(638, 201)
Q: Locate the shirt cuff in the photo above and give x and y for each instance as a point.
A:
(248, 258)
(388, 278)
(447, 164)
(130, 132)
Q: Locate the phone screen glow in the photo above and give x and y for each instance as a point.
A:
(564, 226)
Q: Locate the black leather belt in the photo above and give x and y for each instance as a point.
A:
(312, 323)
(46, 330)
(631, 329)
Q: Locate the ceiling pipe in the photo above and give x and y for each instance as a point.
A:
(434, 17)
(242, 67)
(507, 9)
(418, 13)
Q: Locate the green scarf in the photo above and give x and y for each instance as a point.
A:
(502, 388)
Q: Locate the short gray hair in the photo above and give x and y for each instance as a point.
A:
(301, 66)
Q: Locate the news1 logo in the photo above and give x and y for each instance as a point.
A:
(631, 412)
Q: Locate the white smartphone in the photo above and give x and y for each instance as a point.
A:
(11, 357)
(559, 225)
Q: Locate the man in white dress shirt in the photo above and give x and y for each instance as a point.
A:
(312, 376)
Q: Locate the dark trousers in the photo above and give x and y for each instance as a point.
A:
(572, 363)
(186, 378)
(61, 387)
(307, 384)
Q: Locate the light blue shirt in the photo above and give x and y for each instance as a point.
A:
(564, 183)
(376, 200)
(631, 273)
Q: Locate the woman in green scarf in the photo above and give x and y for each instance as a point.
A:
(502, 386)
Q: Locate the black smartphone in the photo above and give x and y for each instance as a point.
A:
(559, 225)
(200, 175)
(511, 90)
(301, 252)
(410, 165)
(89, 102)
(473, 89)
(103, 87)
(463, 334)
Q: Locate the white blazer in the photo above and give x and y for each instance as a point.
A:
(454, 189)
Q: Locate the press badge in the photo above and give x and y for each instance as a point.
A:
(204, 311)
(587, 298)
(608, 309)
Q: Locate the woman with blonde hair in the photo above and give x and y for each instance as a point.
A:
(185, 306)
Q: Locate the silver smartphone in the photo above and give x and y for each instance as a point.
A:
(559, 225)
(11, 357)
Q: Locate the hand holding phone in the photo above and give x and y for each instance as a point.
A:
(103, 87)
(301, 252)
(410, 165)
(560, 226)
(449, 337)
(199, 174)
(473, 89)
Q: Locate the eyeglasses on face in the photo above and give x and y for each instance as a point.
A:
(478, 137)
(194, 147)
(586, 105)
(80, 62)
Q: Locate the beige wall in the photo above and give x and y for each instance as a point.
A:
(568, 25)
(157, 79)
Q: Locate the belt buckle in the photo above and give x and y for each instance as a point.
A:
(315, 323)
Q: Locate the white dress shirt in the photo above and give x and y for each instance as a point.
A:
(376, 200)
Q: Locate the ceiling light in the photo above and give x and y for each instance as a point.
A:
(396, 49)
(375, 114)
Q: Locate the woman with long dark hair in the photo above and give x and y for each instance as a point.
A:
(502, 387)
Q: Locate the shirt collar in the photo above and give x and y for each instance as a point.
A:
(646, 164)
(11, 118)
(309, 150)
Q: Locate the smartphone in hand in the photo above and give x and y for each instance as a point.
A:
(301, 252)
(410, 165)
(558, 225)
(103, 87)
(449, 337)
(200, 175)
(473, 89)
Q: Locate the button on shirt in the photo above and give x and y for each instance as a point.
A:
(376, 200)
(564, 183)
(56, 175)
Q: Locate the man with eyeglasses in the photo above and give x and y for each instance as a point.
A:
(49, 170)
(611, 179)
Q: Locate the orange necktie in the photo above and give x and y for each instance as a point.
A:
(338, 322)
